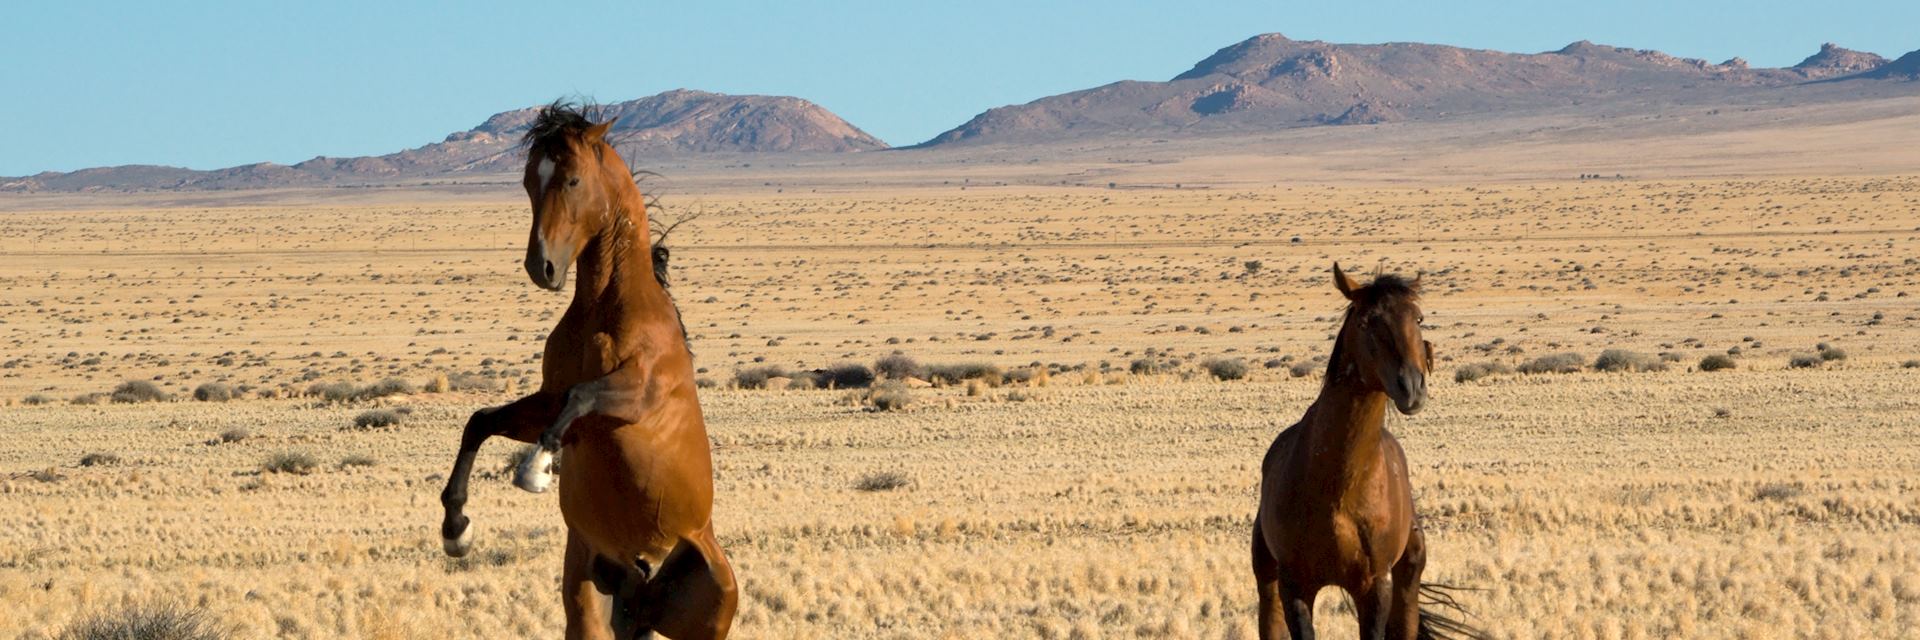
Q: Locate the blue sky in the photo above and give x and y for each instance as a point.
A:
(215, 84)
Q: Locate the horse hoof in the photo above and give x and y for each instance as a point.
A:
(458, 546)
(534, 474)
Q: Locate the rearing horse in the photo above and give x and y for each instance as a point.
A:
(617, 393)
(1336, 507)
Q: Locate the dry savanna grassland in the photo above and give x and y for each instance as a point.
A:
(1664, 407)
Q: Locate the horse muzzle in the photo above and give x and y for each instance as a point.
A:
(547, 270)
(1408, 391)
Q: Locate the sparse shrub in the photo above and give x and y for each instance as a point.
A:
(378, 418)
(356, 460)
(1805, 361)
(1478, 370)
(97, 459)
(1274, 363)
(332, 391)
(235, 434)
(384, 388)
(1144, 367)
(1554, 363)
(882, 481)
(1226, 368)
(298, 463)
(899, 367)
(1778, 491)
(1302, 368)
(756, 377)
(1622, 360)
(801, 381)
(151, 621)
(1716, 362)
(1829, 353)
(1910, 364)
(90, 398)
(846, 375)
(213, 392)
(36, 400)
(889, 396)
(470, 382)
(955, 373)
(439, 384)
(47, 475)
(704, 383)
(135, 391)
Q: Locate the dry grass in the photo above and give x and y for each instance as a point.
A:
(1757, 501)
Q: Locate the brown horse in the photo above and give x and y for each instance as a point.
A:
(617, 394)
(1336, 507)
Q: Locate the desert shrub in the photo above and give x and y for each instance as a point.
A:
(1829, 353)
(151, 621)
(90, 398)
(134, 391)
(955, 373)
(846, 375)
(384, 388)
(47, 475)
(213, 392)
(1274, 363)
(470, 382)
(1226, 368)
(1144, 367)
(439, 384)
(235, 434)
(1302, 368)
(882, 481)
(332, 391)
(356, 460)
(1805, 361)
(756, 377)
(294, 462)
(1716, 362)
(37, 400)
(378, 418)
(98, 459)
(1478, 370)
(801, 380)
(1910, 364)
(1555, 363)
(889, 396)
(1628, 361)
(704, 383)
(899, 367)
(1778, 491)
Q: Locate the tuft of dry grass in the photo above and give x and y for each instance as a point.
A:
(159, 620)
(297, 463)
(882, 481)
(137, 391)
(1554, 363)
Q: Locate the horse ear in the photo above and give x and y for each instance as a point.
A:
(1344, 283)
(1415, 285)
(599, 131)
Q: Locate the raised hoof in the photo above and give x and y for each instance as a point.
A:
(535, 473)
(458, 546)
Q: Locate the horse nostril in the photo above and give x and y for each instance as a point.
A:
(549, 270)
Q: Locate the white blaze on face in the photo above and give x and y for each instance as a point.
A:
(546, 172)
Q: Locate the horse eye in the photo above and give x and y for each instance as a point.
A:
(573, 182)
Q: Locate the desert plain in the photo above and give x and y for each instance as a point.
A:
(1097, 480)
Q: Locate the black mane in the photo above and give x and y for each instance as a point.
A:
(556, 122)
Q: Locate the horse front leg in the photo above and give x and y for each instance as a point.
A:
(616, 394)
(520, 420)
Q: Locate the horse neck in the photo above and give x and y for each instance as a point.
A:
(1346, 421)
(618, 262)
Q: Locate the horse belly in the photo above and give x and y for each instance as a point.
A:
(633, 497)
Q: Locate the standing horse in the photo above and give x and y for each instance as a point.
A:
(617, 393)
(1336, 507)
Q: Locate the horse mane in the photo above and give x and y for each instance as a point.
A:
(557, 121)
(1386, 289)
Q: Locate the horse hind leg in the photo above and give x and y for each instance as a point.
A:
(1411, 619)
(1266, 578)
(692, 596)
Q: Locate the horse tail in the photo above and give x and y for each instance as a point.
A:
(1442, 616)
